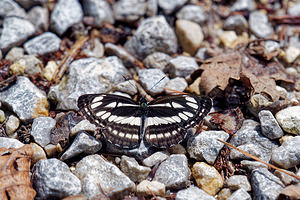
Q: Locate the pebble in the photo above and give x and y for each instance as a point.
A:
(243, 5)
(157, 60)
(41, 130)
(14, 32)
(202, 54)
(87, 76)
(179, 84)
(150, 78)
(52, 178)
(257, 103)
(53, 150)
(101, 177)
(193, 193)
(150, 188)
(250, 139)
(269, 126)
(174, 172)
(224, 194)
(12, 124)
(129, 11)
(205, 146)
(240, 194)
(2, 116)
(50, 70)
(289, 119)
(133, 170)
(236, 23)
(28, 64)
(15, 54)
(83, 125)
(25, 99)
(155, 158)
(252, 165)
(189, 34)
(288, 154)
(39, 17)
(114, 50)
(291, 53)
(128, 87)
(82, 144)
(169, 6)
(182, 66)
(236, 182)
(11, 8)
(259, 24)
(1, 54)
(228, 38)
(94, 48)
(207, 178)
(192, 13)
(294, 10)
(285, 178)
(38, 153)
(265, 185)
(153, 34)
(43, 44)
(152, 8)
(65, 14)
(100, 10)
(10, 143)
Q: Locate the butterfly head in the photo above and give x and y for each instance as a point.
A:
(143, 103)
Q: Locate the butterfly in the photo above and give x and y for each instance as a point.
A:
(160, 123)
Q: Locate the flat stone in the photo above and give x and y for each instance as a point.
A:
(25, 99)
(236, 182)
(129, 11)
(15, 54)
(43, 44)
(101, 177)
(192, 13)
(174, 172)
(150, 80)
(178, 84)
(15, 31)
(157, 60)
(189, 34)
(100, 10)
(168, 6)
(115, 50)
(236, 23)
(269, 126)
(87, 76)
(39, 17)
(41, 130)
(10, 143)
(252, 165)
(147, 188)
(259, 24)
(50, 70)
(265, 185)
(12, 124)
(153, 34)
(289, 119)
(94, 48)
(83, 125)
(52, 178)
(193, 193)
(288, 154)
(155, 158)
(82, 144)
(240, 194)
(11, 8)
(205, 146)
(65, 14)
(243, 5)
(207, 178)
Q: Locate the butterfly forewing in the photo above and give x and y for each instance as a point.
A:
(118, 117)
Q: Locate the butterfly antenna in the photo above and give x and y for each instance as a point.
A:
(127, 79)
(158, 82)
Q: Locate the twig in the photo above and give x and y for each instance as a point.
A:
(143, 92)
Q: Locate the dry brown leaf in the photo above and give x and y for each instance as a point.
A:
(258, 48)
(14, 173)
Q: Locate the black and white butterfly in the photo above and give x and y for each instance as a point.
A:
(160, 123)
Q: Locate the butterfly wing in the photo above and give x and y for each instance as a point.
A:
(169, 118)
(118, 116)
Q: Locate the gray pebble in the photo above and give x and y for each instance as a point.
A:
(15, 54)
(192, 13)
(259, 24)
(129, 11)
(157, 60)
(236, 182)
(11, 8)
(178, 84)
(128, 87)
(243, 5)
(115, 50)
(155, 158)
(252, 165)
(269, 126)
(240, 194)
(193, 193)
(289, 119)
(41, 130)
(32, 64)
(152, 8)
(236, 23)
(94, 48)
(6, 142)
(294, 10)
(182, 66)
(39, 17)
(168, 6)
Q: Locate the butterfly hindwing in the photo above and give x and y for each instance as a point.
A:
(118, 117)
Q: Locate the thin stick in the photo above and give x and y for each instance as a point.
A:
(175, 91)
(257, 159)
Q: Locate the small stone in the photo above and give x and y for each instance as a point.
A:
(15, 54)
(240, 194)
(289, 119)
(11, 8)
(129, 11)
(265, 185)
(288, 154)
(128, 87)
(224, 194)
(189, 34)
(178, 84)
(294, 10)
(252, 165)
(150, 77)
(157, 60)
(257, 103)
(269, 126)
(285, 178)
(243, 5)
(41, 130)
(52, 178)
(205, 146)
(236, 23)
(10, 143)
(53, 150)
(38, 153)
(114, 50)
(94, 49)
(50, 70)
(182, 66)
(236, 182)
(152, 8)
(100, 10)
(43, 44)
(174, 172)
(28, 64)
(228, 38)
(291, 53)
(147, 188)
(259, 24)
(65, 14)
(15, 31)
(82, 144)
(207, 178)
(168, 6)
(2, 116)
(291, 70)
(192, 13)
(18, 68)
(101, 177)
(193, 193)
(39, 17)
(12, 124)
(153, 34)
(83, 125)
(155, 158)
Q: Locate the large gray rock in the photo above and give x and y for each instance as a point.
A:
(52, 178)
(25, 99)
(41, 130)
